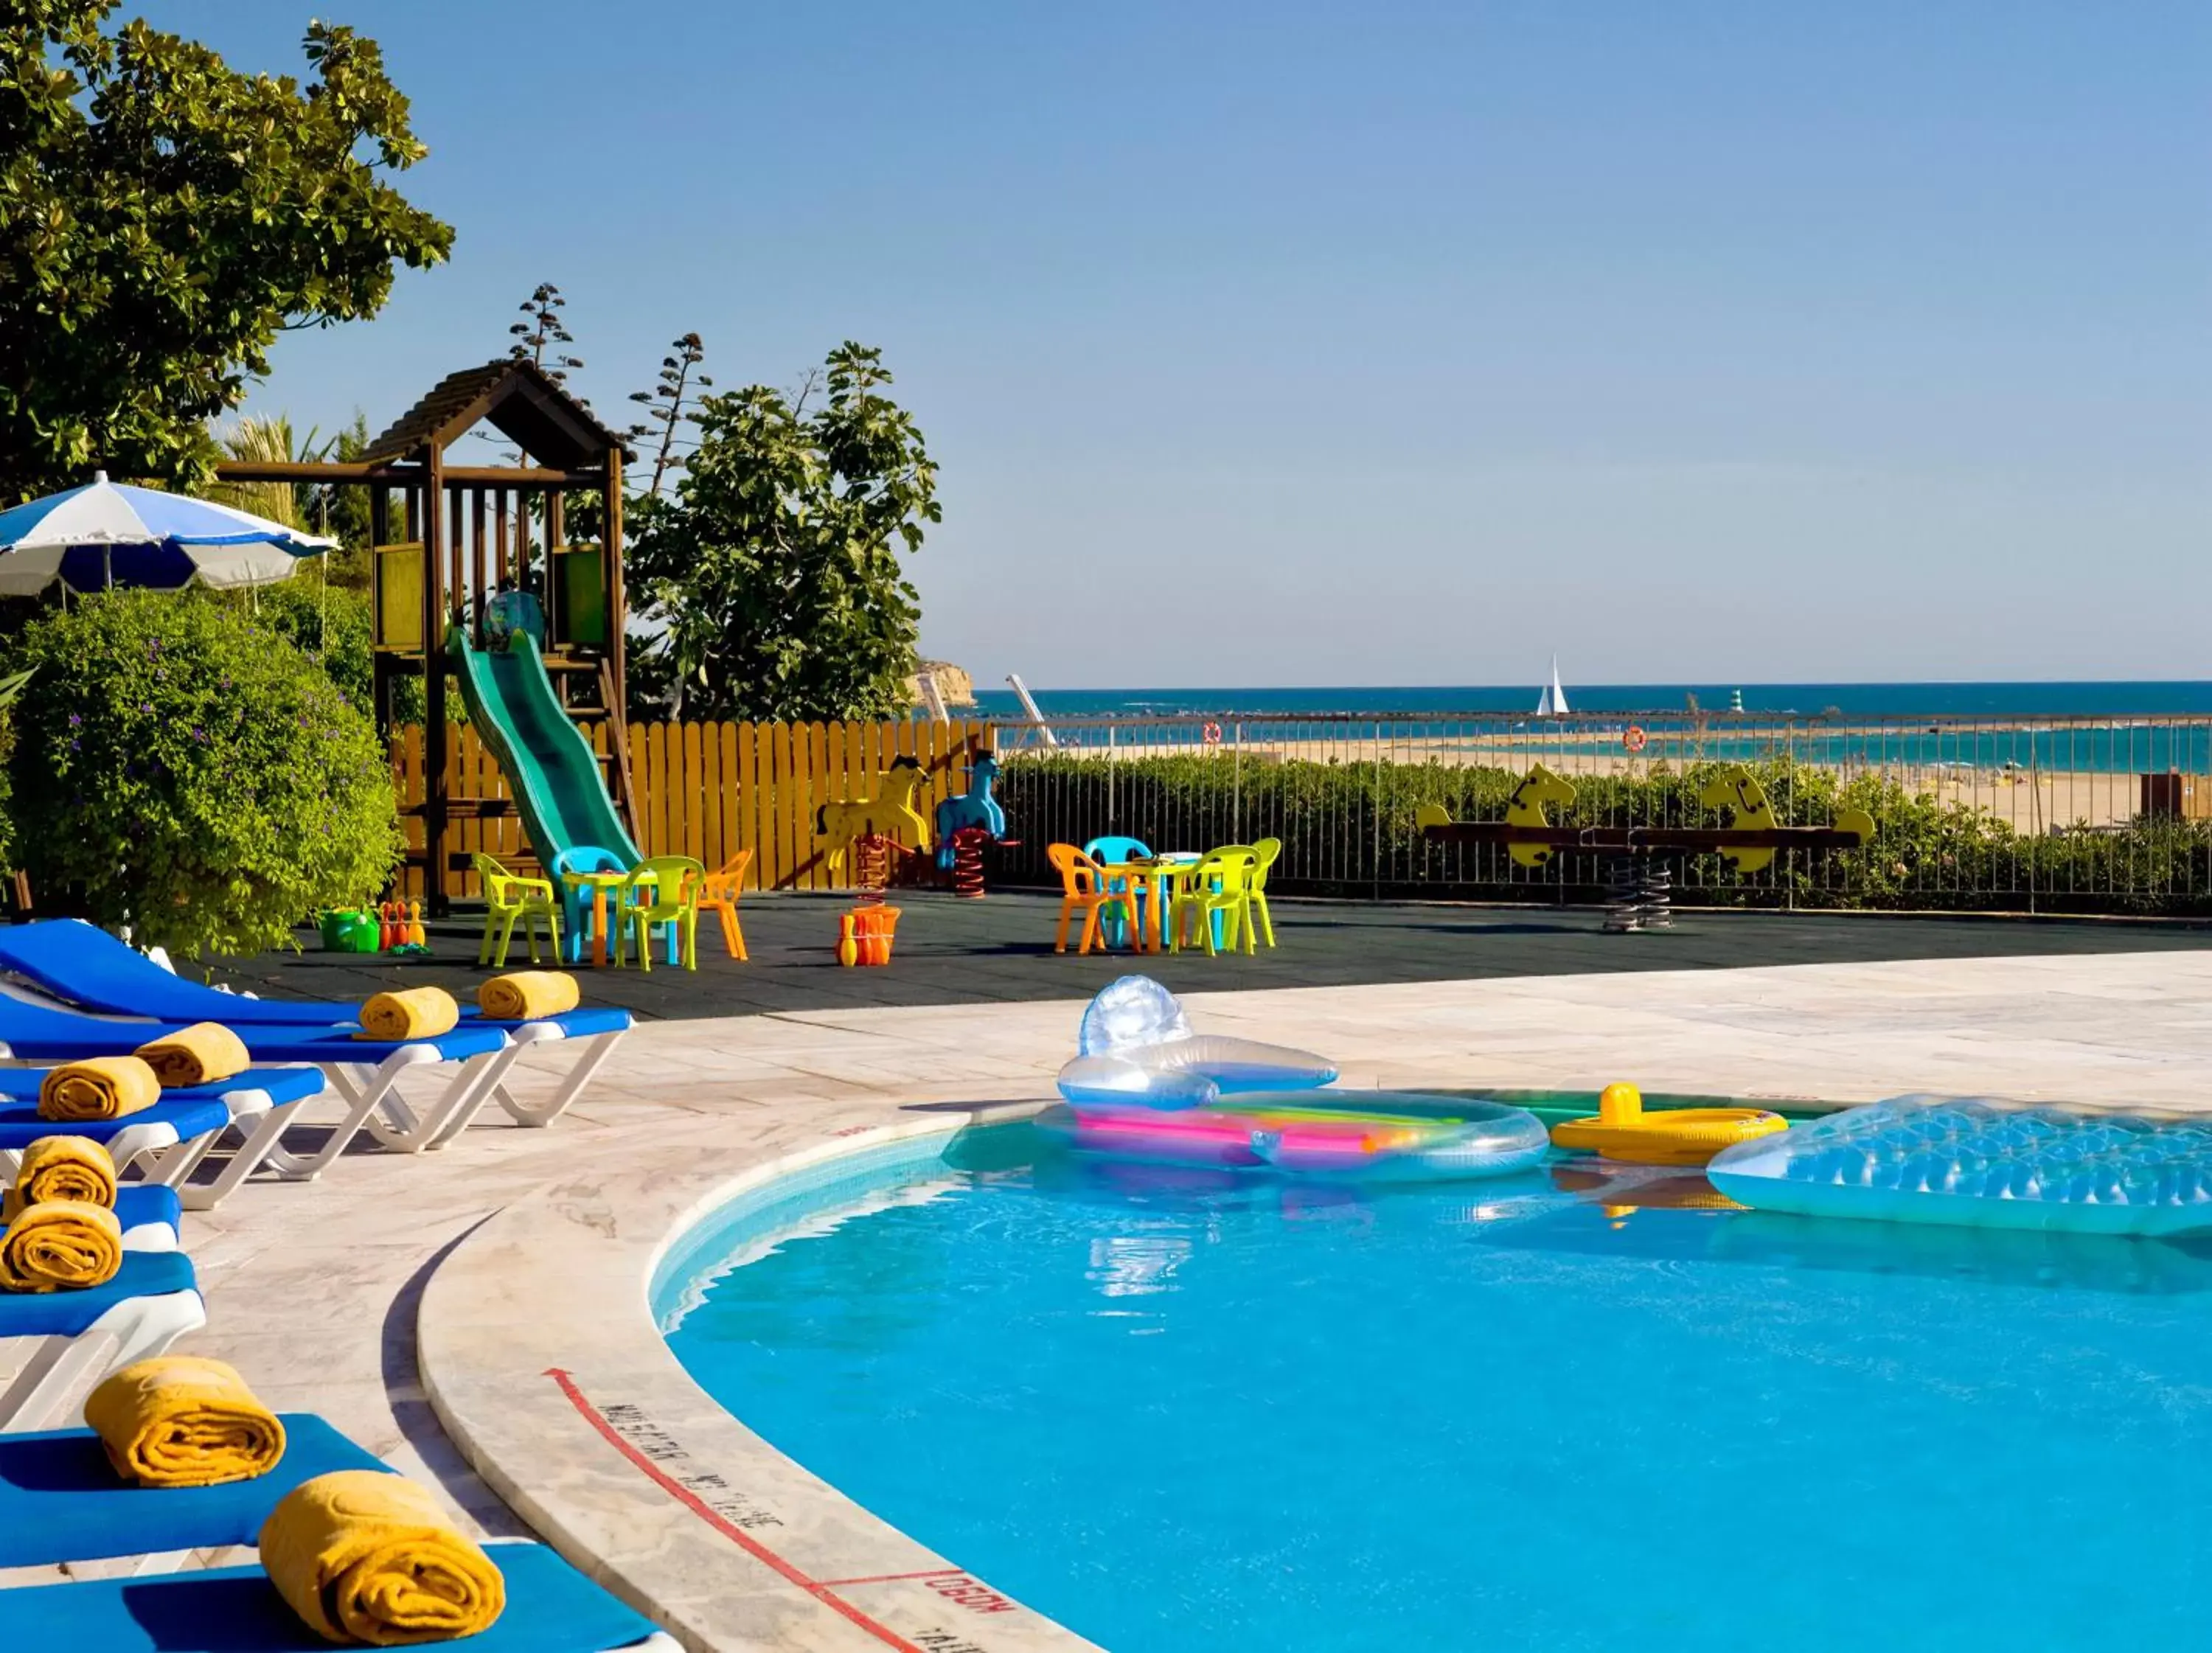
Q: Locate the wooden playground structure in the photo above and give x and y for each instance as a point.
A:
(447, 539)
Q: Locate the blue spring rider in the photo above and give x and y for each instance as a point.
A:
(975, 808)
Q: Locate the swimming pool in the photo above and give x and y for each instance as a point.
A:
(1180, 1410)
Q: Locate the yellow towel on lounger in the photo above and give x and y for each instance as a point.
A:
(184, 1420)
(105, 1087)
(525, 995)
(60, 1244)
(363, 1556)
(202, 1054)
(62, 1168)
(417, 1013)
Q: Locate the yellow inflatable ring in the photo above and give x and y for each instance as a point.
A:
(1621, 1130)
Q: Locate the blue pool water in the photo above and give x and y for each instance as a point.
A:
(1557, 1413)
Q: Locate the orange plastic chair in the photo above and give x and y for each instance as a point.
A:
(719, 896)
(1083, 886)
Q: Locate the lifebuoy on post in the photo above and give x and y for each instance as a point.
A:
(1211, 734)
(1633, 739)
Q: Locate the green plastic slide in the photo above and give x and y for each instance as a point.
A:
(549, 766)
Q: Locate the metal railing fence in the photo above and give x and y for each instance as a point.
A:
(2057, 814)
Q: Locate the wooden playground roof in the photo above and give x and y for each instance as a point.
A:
(516, 399)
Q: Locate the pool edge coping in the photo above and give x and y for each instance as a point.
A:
(543, 1360)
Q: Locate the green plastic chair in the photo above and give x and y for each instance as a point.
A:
(1221, 882)
(508, 897)
(1266, 850)
(643, 901)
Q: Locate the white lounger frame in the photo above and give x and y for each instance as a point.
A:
(61, 1370)
(374, 1104)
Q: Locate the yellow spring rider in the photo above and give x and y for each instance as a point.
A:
(1621, 1130)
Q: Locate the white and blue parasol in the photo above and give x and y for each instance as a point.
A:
(108, 534)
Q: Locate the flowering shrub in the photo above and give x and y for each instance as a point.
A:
(180, 767)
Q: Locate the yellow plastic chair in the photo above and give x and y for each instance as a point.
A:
(719, 896)
(508, 897)
(646, 899)
(1082, 888)
(1264, 852)
(1220, 883)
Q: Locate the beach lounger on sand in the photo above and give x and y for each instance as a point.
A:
(365, 1073)
(82, 964)
(164, 1144)
(550, 1608)
(76, 1338)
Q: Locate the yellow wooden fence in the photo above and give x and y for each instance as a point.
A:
(705, 790)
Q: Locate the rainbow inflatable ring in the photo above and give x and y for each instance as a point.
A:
(1146, 1087)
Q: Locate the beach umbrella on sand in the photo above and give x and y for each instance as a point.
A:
(106, 534)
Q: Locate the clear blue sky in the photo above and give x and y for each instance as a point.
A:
(1390, 343)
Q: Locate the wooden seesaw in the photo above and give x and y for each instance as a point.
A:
(1638, 892)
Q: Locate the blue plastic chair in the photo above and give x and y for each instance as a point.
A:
(1110, 852)
(576, 901)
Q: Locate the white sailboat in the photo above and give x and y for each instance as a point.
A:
(1553, 701)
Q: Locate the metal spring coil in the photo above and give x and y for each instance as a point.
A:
(968, 861)
(871, 868)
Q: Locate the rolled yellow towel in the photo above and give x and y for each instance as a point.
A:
(62, 1168)
(103, 1087)
(199, 1054)
(184, 1420)
(417, 1013)
(60, 1244)
(363, 1556)
(525, 995)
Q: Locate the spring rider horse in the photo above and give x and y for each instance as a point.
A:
(966, 824)
(891, 813)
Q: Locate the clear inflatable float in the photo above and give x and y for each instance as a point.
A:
(1977, 1162)
(1144, 1086)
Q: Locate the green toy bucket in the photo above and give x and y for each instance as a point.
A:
(346, 931)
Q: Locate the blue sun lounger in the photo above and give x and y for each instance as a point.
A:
(149, 1216)
(82, 964)
(365, 1073)
(164, 1144)
(82, 1336)
(550, 1608)
(60, 1499)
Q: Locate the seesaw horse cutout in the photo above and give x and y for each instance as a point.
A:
(1638, 891)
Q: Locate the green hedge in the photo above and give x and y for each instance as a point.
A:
(180, 767)
(1347, 829)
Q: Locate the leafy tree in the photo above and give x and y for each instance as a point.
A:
(771, 581)
(162, 218)
(180, 768)
(341, 510)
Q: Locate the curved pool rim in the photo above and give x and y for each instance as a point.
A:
(543, 1359)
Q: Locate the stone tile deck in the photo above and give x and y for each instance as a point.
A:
(313, 1289)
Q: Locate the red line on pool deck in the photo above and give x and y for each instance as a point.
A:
(729, 1529)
